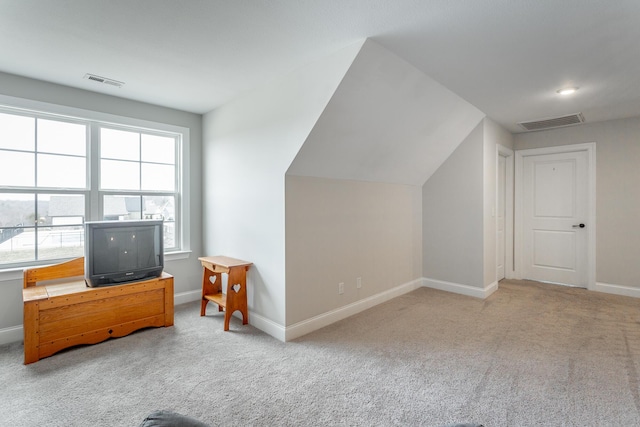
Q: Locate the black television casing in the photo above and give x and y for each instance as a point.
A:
(117, 252)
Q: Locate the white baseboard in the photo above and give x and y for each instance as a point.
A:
(185, 297)
(457, 288)
(491, 289)
(306, 326)
(257, 321)
(16, 334)
(267, 326)
(12, 334)
(608, 288)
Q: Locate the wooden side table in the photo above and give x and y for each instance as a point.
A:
(236, 296)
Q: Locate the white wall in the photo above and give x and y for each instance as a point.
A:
(617, 201)
(353, 195)
(459, 222)
(386, 122)
(339, 230)
(187, 271)
(248, 146)
(453, 217)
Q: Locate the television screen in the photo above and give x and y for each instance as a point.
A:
(120, 251)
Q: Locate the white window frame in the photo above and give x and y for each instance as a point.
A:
(96, 185)
(93, 198)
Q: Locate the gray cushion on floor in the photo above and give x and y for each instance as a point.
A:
(170, 419)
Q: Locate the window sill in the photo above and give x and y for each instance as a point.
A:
(174, 256)
(11, 274)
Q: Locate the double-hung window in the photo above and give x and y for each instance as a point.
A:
(57, 172)
(138, 178)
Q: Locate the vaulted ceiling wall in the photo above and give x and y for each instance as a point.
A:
(386, 122)
(354, 199)
(349, 131)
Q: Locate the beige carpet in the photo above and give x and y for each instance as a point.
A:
(531, 354)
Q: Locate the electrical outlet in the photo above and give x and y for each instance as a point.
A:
(341, 288)
(359, 282)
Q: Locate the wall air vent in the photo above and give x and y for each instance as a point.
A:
(553, 122)
(103, 80)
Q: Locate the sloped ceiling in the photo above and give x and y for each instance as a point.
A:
(506, 57)
(386, 122)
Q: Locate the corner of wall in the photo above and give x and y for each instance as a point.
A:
(248, 146)
(457, 288)
(453, 219)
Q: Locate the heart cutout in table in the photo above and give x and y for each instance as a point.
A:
(236, 287)
(212, 279)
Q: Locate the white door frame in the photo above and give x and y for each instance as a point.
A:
(508, 153)
(590, 148)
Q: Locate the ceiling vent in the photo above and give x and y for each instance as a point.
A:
(103, 80)
(554, 122)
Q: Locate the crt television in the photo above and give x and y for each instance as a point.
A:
(122, 251)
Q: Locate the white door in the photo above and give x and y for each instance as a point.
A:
(555, 209)
(501, 237)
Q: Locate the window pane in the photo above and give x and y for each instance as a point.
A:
(61, 171)
(17, 169)
(17, 132)
(60, 242)
(169, 234)
(17, 209)
(17, 244)
(119, 144)
(162, 207)
(158, 177)
(17, 240)
(158, 149)
(62, 137)
(159, 207)
(121, 208)
(60, 209)
(119, 175)
(20, 241)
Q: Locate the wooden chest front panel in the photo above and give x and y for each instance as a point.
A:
(74, 319)
(67, 314)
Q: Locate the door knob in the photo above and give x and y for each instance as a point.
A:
(578, 226)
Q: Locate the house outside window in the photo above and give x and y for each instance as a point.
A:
(58, 172)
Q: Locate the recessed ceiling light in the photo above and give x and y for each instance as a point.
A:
(567, 90)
